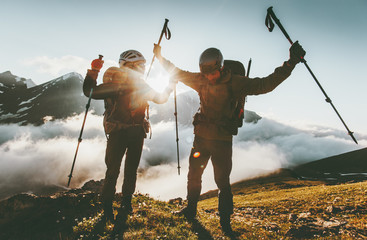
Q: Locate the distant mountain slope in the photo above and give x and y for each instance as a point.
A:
(351, 166)
(25, 103)
(59, 98)
(347, 167)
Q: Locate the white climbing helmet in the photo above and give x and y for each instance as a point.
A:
(131, 56)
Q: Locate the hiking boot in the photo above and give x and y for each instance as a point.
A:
(225, 223)
(188, 212)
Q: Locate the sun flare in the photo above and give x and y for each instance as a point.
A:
(158, 79)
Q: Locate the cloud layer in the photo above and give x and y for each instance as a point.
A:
(42, 156)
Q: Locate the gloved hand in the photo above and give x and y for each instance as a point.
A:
(157, 51)
(296, 53)
(97, 64)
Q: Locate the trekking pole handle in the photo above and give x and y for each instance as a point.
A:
(163, 31)
(272, 14)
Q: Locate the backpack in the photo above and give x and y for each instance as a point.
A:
(238, 116)
(110, 125)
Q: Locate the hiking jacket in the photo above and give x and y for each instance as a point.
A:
(217, 100)
(128, 95)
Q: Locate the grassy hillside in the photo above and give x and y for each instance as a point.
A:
(317, 212)
(327, 212)
(271, 212)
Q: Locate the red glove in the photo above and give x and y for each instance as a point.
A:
(97, 64)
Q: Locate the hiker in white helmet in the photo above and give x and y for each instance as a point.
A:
(125, 94)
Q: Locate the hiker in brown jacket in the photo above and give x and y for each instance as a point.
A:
(218, 90)
(125, 94)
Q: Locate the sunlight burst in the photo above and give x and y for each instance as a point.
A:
(158, 79)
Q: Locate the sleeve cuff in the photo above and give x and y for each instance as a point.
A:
(93, 74)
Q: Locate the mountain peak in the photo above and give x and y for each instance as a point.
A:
(9, 80)
(59, 98)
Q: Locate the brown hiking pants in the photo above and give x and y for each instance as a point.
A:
(220, 153)
(129, 140)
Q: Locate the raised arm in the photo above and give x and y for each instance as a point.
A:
(255, 86)
(188, 78)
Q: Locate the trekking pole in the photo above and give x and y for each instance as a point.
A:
(178, 153)
(270, 25)
(167, 33)
(248, 67)
(247, 75)
(81, 131)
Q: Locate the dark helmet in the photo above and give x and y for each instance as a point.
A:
(210, 60)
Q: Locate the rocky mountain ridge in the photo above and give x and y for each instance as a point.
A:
(57, 99)
(62, 97)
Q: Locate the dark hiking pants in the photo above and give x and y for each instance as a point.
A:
(128, 140)
(220, 153)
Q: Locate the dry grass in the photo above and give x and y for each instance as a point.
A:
(315, 212)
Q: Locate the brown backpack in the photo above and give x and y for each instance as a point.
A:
(238, 116)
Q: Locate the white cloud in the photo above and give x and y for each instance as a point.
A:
(32, 156)
(56, 66)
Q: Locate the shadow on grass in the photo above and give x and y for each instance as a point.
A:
(203, 233)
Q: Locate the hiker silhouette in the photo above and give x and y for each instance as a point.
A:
(218, 89)
(126, 97)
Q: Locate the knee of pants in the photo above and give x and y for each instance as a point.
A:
(112, 173)
(194, 180)
(196, 169)
(223, 183)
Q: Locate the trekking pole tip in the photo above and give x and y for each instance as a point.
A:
(352, 136)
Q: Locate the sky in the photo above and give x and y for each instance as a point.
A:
(42, 40)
